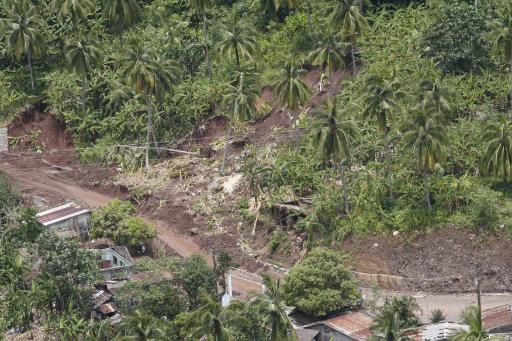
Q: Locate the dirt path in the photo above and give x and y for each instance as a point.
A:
(42, 184)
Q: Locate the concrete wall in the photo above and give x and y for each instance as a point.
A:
(74, 227)
(4, 141)
(329, 334)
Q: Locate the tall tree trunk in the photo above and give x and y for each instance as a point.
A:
(345, 188)
(237, 54)
(84, 90)
(148, 134)
(121, 38)
(226, 150)
(29, 60)
(426, 186)
(510, 93)
(389, 171)
(310, 21)
(153, 134)
(205, 32)
(353, 55)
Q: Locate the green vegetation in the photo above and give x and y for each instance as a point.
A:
(117, 222)
(321, 284)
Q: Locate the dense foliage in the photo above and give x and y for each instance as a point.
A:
(321, 284)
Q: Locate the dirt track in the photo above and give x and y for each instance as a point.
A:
(41, 183)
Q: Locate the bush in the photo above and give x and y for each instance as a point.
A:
(456, 40)
(116, 221)
(133, 231)
(321, 284)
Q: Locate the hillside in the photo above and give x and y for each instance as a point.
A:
(375, 136)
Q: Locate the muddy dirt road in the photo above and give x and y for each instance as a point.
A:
(41, 183)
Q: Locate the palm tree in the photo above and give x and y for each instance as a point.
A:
(213, 322)
(426, 138)
(142, 327)
(271, 304)
(497, 156)
(381, 101)
(331, 141)
(23, 36)
(200, 7)
(82, 56)
(472, 316)
(350, 23)
(238, 40)
(78, 9)
(434, 95)
(328, 53)
(290, 90)
(386, 327)
(503, 25)
(240, 103)
(121, 14)
(151, 77)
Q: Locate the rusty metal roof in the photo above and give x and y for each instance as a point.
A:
(354, 324)
(108, 308)
(498, 317)
(60, 213)
(101, 297)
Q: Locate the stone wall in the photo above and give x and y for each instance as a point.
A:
(4, 142)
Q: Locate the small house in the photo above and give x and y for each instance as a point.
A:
(69, 220)
(116, 263)
(349, 326)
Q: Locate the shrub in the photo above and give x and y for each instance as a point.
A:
(321, 284)
(116, 221)
(456, 40)
(133, 231)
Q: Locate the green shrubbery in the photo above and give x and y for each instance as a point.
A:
(117, 222)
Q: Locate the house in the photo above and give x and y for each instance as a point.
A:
(437, 331)
(498, 319)
(104, 308)
(241, 284)
(116, 263)
(306, 334)
(349, 326)
(69, 220)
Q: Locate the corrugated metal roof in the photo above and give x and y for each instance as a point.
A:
(436, 331)
(498, 317)
(60, 213)
(354, 324)
(101, 297)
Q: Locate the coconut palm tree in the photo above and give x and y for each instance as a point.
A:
(270, 303)
(381, 102)
(472, 316)
(503, 26)
(151, 77)
(290, 90)
(328, 53)
(434, 95)
(331, 140)
(121, 14)
(427, 140)
(23, 36)
(238, 40)
(240, 103)
(141, 326)
(78, 9)
(497, 156)
(83, 56)
(200, 7)
(348, 20)
(212, 321)
(386, 327)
